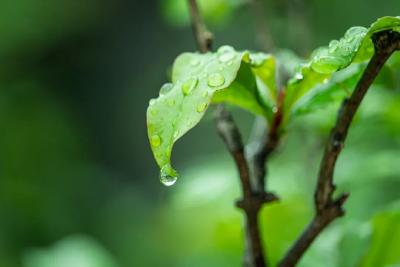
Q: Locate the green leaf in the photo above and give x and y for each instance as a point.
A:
(385, 243)
(239, 78)
(338, 87)
(77, 250)
(356, 46)
(254, 88)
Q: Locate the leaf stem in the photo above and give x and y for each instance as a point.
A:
(328, 208)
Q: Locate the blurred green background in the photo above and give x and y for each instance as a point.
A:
(79, 186)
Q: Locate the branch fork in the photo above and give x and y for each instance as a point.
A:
(327, 208)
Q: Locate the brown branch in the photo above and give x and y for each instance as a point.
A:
(251, 202)
(328, 208)
(204, 38)
(229, 132)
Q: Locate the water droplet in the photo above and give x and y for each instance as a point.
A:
(226, 56)
(168, 180)
(333, 46)
(258, 59)
(194, 62)
(326, 64)
(155, 140)
(225, 49)
(299, 76)
(353, 32)
(168, 176)
(201, 107)
(189, 85)
(274, 109)
(171, 102)
(325, 81)
(166, 88)
(215, 80)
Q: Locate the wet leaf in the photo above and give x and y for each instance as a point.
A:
(240, 78)
(317, 74)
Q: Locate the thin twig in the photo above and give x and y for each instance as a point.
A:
(204, 38)
(229, 132)
(250, 204)
(328, 208)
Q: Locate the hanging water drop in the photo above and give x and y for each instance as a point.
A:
(167, 180)
(168, 176)
(166, 88)
(155, 140)
(189, 85)
(215, 80)
(201, 107)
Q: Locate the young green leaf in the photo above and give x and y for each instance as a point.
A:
(356, 46)
(239, 78)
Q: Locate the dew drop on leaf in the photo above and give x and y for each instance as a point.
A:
(333, 46)
(225, 49)
(166, 88)
(299, 76)
(226, 56)
(201, 107)
(155, 140)
(168, 176)
(326, 64)
(353, 32)
(215, 80)
(189, 85)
